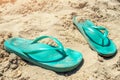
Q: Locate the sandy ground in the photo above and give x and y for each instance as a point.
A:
(32, 18)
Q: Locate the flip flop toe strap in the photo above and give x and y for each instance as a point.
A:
(91, 24)
(59, 46)
(100, 28)
(105, 34)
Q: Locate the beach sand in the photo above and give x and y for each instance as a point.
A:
(33, 18)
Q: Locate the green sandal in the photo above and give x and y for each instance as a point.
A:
(97, 39)
(56, 58)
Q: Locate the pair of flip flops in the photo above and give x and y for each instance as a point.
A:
(58, 58)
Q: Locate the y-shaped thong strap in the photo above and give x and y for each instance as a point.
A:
(59, 46)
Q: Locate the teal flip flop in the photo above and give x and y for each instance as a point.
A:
(97, 37)
(56, 58)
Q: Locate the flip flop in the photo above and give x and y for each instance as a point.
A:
(56, 58)
(97, 37)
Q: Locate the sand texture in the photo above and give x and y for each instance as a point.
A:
(33, 18)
